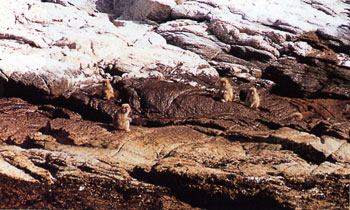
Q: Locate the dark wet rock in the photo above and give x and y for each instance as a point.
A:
(309, 78)
(48, 85)
(140, 10)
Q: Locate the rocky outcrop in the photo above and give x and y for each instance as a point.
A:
(56, 61)
(282, 168)
(228, 37)
(186, 149)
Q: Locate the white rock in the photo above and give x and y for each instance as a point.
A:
(65, 45)
(71, 43)
(11, 171)
(266, 25)
(301, 48)
(192, 10)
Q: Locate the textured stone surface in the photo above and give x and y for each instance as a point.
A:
(55, 60)
(269, 166)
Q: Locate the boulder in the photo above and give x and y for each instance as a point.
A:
(156, 10)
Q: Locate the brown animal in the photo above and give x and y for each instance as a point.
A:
(121, 119)
(107, 89)
(180, 1)
(226, 90)
(252, 100)
(297, 115)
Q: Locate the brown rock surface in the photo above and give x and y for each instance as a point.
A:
(68, 162)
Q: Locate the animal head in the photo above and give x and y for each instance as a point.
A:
(180, 1)
(224, 81)
(106, 82)
(126, 108)
(252, 90)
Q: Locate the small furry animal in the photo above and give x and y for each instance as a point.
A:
(226, 90)
(107, 89)
(121, 119)
(180, 1)
(252, 100)
(297, 115)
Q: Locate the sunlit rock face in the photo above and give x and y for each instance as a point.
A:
(186, 149)
(64, 47)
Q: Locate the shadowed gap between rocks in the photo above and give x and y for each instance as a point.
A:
(182, 188)
(308, 78)
(305, 152)
(35, 96)
(284, 85)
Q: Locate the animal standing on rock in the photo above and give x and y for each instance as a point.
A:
(252, 100)
(107, 89)
(121, 119)
(226, 90)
